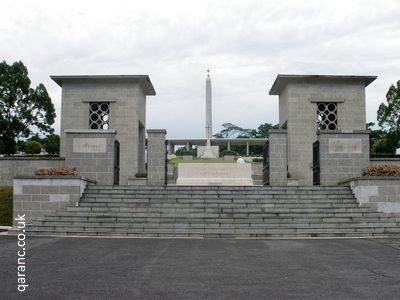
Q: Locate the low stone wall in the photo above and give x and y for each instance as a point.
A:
(37, 195)
(137, 181)
(385, 161)
(382, 193)
(24, 166)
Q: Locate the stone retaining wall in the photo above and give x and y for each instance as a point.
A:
(37, 195)
(383, 193)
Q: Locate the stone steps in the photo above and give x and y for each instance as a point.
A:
(240, 212)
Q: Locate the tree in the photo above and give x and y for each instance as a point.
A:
(231, 131)
(389, 115)
(52, 144)
(380, 141)
(23, 110)
(33, 147)
(263, 129)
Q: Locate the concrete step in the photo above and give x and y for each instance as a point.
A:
(249, 226)
(214, 192)
(217, 188)
(247, 212)
(215, 212)
(293, 220)
(223, 233)
(172, 205)
(150, 207)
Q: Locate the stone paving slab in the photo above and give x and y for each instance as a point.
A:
(110, 268)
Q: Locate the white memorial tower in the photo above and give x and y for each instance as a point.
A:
(208, 151)
(208, 107)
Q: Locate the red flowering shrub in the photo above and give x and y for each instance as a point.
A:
(381, 170)
(61, 171)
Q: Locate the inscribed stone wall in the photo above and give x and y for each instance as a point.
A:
(342, 155)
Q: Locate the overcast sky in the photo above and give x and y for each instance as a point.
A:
(244, 43)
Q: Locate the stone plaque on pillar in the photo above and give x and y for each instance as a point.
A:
(89, 145)
(91, 152)
(343, 145)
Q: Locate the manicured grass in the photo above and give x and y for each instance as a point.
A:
(6, 205)
(179, 160)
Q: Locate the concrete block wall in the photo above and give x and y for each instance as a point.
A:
(38, 196)
(382, 193)
(342, 155)
(96, 164)
(277, 157)
(156, 157)
(25, 166)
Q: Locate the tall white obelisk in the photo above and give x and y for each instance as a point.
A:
(208, 151)
(208, 107)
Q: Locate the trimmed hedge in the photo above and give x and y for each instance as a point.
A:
(228, 152)
(381, 170)
(258, 159)
(6, 205)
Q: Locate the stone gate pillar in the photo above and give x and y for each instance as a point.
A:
(91, 152)
(342, 155)
(277, 157)
(156, 157)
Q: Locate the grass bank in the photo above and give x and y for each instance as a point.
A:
(6, 205)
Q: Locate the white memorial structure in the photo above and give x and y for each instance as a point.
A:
(208, 151)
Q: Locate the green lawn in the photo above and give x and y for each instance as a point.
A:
(6, 205)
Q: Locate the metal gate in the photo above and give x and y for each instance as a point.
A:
(316, 163)
(166, 162)
(266, 163)
(116, 163)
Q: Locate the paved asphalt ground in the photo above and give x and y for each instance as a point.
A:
(101, 268)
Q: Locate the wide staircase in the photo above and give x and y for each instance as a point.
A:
(216, 211)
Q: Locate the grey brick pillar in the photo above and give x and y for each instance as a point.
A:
(156, 155)
(91, 152)
(277, 157)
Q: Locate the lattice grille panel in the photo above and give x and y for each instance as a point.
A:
(327, 116)
(99, 115)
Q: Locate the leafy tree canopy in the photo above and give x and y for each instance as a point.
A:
(389, 115)
(233, 131)
(52, 144)
(23, 110)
